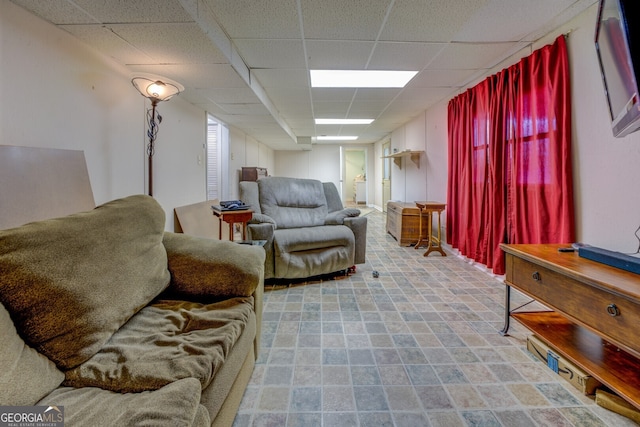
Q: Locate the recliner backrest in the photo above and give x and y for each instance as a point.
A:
(293, 202)
(334, 202)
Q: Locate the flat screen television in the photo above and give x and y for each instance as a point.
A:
(618, 48)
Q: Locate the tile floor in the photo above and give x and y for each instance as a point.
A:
(417, 346)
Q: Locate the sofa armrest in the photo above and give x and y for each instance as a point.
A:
(212, 269)
(359, 227)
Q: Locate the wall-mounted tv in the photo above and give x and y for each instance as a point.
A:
(618, 48)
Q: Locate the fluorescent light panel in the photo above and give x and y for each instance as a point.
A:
(335, 138)
(360, 78)
(343, 121)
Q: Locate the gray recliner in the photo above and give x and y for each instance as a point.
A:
(307, 229)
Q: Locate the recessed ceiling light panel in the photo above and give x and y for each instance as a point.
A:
(360, 78)
(343, 121)
(336, 138)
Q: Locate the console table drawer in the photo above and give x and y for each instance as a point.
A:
(594, 307)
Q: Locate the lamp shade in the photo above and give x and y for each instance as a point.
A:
(156, 88)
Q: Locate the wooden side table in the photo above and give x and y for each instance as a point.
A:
(231, 217)
(433, 242)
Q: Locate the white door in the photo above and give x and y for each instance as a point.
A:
(386, 175)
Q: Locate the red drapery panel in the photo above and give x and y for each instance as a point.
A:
(510, 176)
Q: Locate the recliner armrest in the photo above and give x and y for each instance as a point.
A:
(359, 227)
(338, 217)
(259, 218)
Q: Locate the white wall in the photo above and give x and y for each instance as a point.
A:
(56, 92)
(606, 169)
(408, 179)
(322, 162)
(245, 151)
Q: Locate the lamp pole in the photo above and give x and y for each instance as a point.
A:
(152, 132)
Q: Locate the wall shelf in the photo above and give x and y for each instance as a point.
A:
(397, 157)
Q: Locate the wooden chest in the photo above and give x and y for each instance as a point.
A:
(253, 173)
(403, 222)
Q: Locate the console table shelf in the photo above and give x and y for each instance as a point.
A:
(595, 317)
(604, 361)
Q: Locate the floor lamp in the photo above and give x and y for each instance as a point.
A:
(156, 89)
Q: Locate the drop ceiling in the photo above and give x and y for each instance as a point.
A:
(247, 62)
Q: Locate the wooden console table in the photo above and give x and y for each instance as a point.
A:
(596, 317)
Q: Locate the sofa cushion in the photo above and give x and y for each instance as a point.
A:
(166, 341)
(70, 283)
(177, 404)
(26, 376)
(293, 202)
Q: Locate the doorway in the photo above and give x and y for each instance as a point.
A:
(354, 172)
(217, 165)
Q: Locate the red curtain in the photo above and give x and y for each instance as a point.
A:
(510, 176)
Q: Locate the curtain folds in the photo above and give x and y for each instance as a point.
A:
(509, 141)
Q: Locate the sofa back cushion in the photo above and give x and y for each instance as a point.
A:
(26, 376)
(71, 282)
(293, 202)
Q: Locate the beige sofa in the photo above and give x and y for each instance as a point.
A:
(107, 315)
(307, 230)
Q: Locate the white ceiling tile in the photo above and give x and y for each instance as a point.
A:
(267, 53)
(171, 43)
(380, 94)
(135, 11)
(428, 21)
(266, 19)
(282, 78)
(109, 43)
(404, 55)
(343, 20)
(57, 11)
(326, 109)
(471, 55)
(517, 18)
(332, 94)
(284, 96)
(338, 55)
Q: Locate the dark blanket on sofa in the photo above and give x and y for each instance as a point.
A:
(166, 341)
